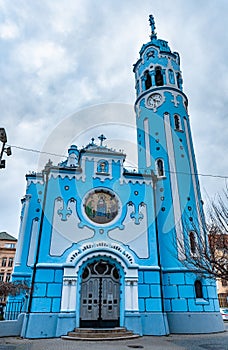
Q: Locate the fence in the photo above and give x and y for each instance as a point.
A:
(13, 309)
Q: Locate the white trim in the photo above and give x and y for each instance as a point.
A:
(69, 290)
(174, 187)
(147, 142)
(194, 180)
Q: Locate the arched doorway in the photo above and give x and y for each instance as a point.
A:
(100, 295)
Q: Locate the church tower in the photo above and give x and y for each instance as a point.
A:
(165, 147)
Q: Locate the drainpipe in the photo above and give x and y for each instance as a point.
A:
(154, 179)
(46, 172)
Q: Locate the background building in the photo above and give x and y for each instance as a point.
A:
(7, 253)
(102, 246)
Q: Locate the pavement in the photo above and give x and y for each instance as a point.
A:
(215, 341)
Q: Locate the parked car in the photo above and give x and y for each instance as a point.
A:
(224, 313)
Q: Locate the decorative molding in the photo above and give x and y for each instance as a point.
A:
(97, 245)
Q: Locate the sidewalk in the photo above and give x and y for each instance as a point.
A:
(217, 341)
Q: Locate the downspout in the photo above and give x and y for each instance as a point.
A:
(46, 172)
(154, 180)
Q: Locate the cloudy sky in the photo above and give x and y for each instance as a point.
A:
(66, 75)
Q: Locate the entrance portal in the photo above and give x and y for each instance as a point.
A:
(100, 295)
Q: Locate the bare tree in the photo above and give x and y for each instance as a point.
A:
(13, 288)
(205, 249)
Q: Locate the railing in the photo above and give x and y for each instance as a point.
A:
(13, 309)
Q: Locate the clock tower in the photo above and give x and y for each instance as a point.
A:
(165, 148)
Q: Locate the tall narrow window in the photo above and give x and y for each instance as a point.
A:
(158, 77)
(148, 82)
(198, 289)
(8, 276)
(177, 122)
(192, 241)
(10, 262)
(160, 167)
(4, 260)
(171, 77)
(179, 80)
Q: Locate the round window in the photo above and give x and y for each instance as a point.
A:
(101, 206)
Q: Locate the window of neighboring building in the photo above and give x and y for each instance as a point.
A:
(10, 245)
(158, 77)
(10, 262)
(1, 277)
(148, 82)
(8, 276)
(224, 283)
(4, 260)
(198, 289)
(160, 167)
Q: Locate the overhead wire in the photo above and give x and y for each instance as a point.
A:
(168, 171)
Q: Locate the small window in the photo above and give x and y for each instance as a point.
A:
(171, 77)
(179, 81)
(4, 260)
(158, 77)
(148, 82)
(1, 277)
(160, 167)
(10, 262)
(177, 122)
(198, 289)
(8, 276)
(102, 166)
(192, 241)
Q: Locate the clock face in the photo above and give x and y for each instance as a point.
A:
(101, 206)
(154, 100)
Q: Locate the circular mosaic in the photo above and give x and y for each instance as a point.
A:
(101, 206)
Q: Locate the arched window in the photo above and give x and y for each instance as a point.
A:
(158, 77)
(177, 122)
(160, 167)
(171, 77)
(102, 166)
(192, 241)
(179, 81)
(198, 289)
(148, 82)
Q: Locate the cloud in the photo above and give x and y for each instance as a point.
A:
(59, 58)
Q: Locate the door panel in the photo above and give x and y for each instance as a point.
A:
(100, 295)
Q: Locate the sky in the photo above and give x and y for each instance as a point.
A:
(66, 76)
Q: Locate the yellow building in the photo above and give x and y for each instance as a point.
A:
(7, 253)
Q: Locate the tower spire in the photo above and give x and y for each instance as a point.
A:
(152, 24)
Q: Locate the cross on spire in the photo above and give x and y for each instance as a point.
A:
(152, 24)
(101, 138)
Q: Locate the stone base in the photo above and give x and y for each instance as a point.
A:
(195, 322)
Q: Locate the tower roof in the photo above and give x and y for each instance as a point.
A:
(161, 44)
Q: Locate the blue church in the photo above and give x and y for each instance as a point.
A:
(103, 246)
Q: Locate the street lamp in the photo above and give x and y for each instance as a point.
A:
(7, 150)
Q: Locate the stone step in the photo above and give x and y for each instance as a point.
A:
(96, 334)
(98, 330)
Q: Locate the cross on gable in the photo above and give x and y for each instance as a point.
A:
(101, 138)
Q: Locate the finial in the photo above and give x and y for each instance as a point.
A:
(92, 140)
(102, 138)
(152, 24)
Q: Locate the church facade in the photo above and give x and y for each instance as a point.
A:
(102, 246)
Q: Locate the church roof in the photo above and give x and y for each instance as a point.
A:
(92, 147)
(7, 237)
